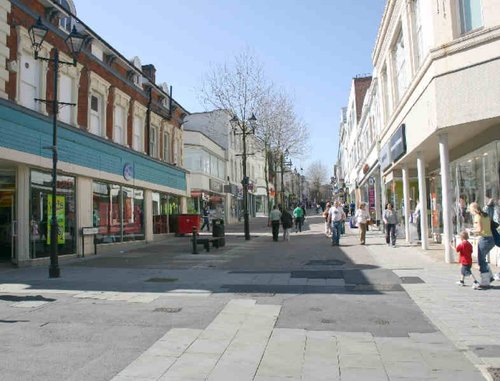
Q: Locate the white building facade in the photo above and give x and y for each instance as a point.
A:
(436, 80)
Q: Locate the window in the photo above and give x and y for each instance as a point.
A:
(97, 51)
(166, 147)
(137, 127)
(417, 33)
(30, 82)
(470, 15)
(153, 142)
(400, 66)
(119, 127)
(65, 22)
(65, 95)
(96, 119)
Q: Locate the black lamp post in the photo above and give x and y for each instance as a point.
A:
(246, 127)
(74, 41)
(283, 163)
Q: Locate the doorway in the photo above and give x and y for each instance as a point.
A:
(7, 218)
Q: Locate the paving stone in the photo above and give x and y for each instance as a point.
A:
(28, 304)
(195, 366)
(147, 367)
(358, 374)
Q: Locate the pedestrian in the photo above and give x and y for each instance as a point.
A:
(362, 217)
(464, 249)
(390, 220)
(298, 214)
(275, 222)
(352, 207)
(287, 223)
(206, 218)
(482, 228)
(416, 218)
(336, 216)
(328, 230)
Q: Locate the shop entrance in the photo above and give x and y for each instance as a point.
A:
(7, 218)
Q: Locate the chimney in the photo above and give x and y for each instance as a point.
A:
(150, 72)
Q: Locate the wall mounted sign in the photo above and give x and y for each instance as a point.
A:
(128, 171)
(385, 157)
(215, 186)
(398, 143)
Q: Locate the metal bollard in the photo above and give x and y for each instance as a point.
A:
(195, 244)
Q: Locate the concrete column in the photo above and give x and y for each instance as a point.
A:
(406, 202)
(183, 205)
(23, 214)
(422, 192)
(148, 215)
(84, 212)
(446, 202)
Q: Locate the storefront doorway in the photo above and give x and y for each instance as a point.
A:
(7, 217)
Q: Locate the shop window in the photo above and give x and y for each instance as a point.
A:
(41, 211)
(118, 212)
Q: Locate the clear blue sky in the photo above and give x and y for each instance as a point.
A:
(310, 48)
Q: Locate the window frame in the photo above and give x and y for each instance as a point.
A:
(463, 28)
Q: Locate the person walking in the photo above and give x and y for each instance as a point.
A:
(416, 218)
(390, 220)
(352, 207)
(336, 216)
(328, 230)
(287, 223)
(362, 217)
(482, 228)
(464, 249)
(275, 222)
(298, 214)
(206, 218)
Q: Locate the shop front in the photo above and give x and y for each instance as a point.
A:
(164, 206)
(7, 215)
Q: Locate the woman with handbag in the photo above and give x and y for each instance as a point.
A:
(482, 228)
(362, 218)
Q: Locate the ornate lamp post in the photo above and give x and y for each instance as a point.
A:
(245, 127)
(74, 41)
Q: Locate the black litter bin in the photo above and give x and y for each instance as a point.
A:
(218, 230)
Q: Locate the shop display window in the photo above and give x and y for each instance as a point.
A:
(118, 212)
(41, 210)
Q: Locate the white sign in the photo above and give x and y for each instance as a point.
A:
(90, 231)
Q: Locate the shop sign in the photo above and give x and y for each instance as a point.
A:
(371, 181)
(231, 188)
(398, 143)
(215, 186)
(128, 171)
(60, 216)
(385, 156)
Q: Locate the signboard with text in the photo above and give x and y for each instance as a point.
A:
(398, 143)
(60, 216)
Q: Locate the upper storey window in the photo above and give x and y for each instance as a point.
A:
(66, 22)
(400, 66)
(470, 15)
(417, 31)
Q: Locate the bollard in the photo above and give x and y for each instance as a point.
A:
(195, 244)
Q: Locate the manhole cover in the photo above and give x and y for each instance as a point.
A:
(160, 280)
(411, 280)
(327, 321)
(169, 310)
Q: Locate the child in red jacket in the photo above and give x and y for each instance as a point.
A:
(464, 249)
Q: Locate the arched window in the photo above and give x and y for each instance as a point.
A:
(66, 23)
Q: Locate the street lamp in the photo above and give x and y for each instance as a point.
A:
(74, 41)
(243, 125)
(283, 163)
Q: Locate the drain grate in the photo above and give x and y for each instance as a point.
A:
(162, 280)
(169, 310)
(411, 280)
(328, 321)
(495, 373)
(325, 262)
(334, 274)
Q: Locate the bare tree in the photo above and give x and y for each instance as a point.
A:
(317, 175)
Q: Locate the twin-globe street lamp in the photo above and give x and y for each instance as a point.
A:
(74, 41)
(243, 125)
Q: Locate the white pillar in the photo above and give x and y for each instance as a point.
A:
(148, 215)
(183, 205)
(422, 193)
(445, 186)
(23, 214)
(84, 213)
(406, 201)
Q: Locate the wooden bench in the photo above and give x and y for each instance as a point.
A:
(205, 241)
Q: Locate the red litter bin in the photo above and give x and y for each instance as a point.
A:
(186, 223)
